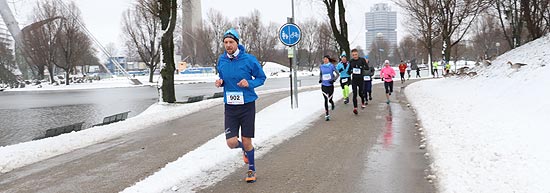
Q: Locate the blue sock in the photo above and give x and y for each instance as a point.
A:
(240, 145)
(250, 155)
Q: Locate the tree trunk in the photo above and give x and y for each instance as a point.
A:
(168, 20)
(151, 73)
(67, 76)
(50, 70)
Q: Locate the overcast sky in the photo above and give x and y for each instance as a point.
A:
(103, 17)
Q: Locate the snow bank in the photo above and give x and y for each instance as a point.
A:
(19, 155)
(490, 133)
(212, 161)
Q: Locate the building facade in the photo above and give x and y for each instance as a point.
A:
(381, 22)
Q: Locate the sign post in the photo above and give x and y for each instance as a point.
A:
(290, 34)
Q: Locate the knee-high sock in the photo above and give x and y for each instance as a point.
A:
(250, 156)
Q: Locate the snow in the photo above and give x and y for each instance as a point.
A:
(271, 69)
(22, 154)
(490, 133)
(200, 168)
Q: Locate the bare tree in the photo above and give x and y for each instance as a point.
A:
(536, 14)
(487, 37)
(41, 37)
(309, 42)
(75, 46)
(422, 22)
(216, 25)
(338, 23)
(142, 31)
(379, 51)
(455, 18)
(167, 11)
(258, 39)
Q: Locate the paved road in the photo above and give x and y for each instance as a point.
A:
(119, 163)
(375, 151)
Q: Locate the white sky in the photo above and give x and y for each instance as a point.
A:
(103, 17)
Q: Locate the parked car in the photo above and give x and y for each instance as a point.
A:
(376, 74)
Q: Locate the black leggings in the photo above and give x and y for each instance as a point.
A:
(389, 87)
(327, 94)
(357, 87)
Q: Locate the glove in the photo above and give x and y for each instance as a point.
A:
(331, 81)
(341, 70)
(320, 81)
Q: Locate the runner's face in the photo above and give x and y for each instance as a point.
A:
(230, 45)
(355, 55)
(344, 59)
(325, 60)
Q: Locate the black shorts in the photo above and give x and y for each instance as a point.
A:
(402, 74)
(240, 116)
(342, 84)
(388, 86)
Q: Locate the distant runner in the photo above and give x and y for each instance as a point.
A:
(387, 73)
(402, 68)
(327, 76)
(239, 74)
(367, 85)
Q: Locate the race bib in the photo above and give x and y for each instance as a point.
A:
(344, 80)
(356, 70)
(327, 77)
(235, 98)
(366, 78)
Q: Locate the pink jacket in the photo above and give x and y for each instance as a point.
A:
(387, 73)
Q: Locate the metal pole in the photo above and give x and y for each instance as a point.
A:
(293, 69)
(291, 82)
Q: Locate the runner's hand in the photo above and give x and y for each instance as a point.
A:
(243, 83)
(219, 83)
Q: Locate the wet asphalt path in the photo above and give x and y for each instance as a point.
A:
(375, 151)
(113, 165)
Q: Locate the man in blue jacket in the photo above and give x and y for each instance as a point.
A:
(239, 74)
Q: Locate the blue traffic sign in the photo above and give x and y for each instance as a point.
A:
(290, 34)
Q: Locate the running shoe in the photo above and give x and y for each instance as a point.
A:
(388, 102)
(250, 176)
(245, 158)
(363, 106)
(355, 111)
(346, 100)
(370, 98)
(327, 117)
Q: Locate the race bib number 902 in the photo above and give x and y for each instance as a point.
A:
(235, 98)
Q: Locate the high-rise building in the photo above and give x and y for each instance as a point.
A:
(5, 36)
(192, 21)
(381, 22)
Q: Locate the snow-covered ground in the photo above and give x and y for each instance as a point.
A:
(272, 70)
(19, 155)
(490, 133)
(199, 168)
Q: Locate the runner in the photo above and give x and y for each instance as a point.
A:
(358, 66)
(434, 72)
(418, 72)
(409, 68)
(239, 74)
(387, 73)
(402, 68)
(326, 79)
(367, 84)
(345, 79)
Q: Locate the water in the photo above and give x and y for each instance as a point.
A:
(27, 115)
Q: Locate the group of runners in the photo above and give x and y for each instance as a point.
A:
(240, 72)
(356, 73)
